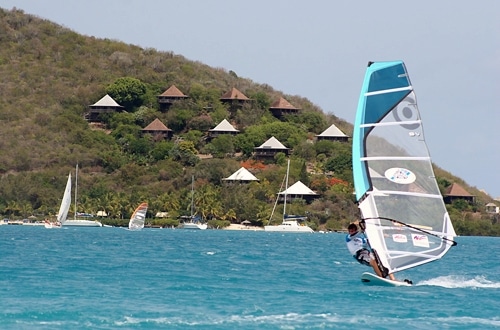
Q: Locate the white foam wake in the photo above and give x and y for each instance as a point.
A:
(456, 281)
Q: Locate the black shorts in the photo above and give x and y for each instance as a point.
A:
(363, 256)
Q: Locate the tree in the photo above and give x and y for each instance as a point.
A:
(121, 118)
(261, 99)
(244, 144)
(185, 152)
(214, 170)
(201, 123)
(208, 202)
(220, 146)
(13, 208)
(339, 163)
(128, 92)
(177, 119)
(305, 150)
(324, 147)
(140, 146)
(303, 176)
(280, 158)
(461, 205)
(161, 149)
(312, 120)
(167, 202)
(239, 198)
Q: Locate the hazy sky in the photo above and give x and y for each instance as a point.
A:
(320, 49)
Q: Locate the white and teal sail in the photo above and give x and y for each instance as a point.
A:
(404, 215)
(137, 219)
(65, 203)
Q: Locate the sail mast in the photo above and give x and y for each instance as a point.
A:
(277, 198)
(286, 187)
(76, 186)
(192, 197)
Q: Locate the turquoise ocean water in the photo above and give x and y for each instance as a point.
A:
(112, 278)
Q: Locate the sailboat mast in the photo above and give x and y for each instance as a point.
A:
(286, 187)
(192, 196)
(76, 186)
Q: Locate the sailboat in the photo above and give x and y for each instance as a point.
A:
(63, 209)
(192, 222)
(137, 219)
(290, 223)
(80, 222)
(402, 211)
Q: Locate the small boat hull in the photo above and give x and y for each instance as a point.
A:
(82, 223)
(195, 226)
(289, 227)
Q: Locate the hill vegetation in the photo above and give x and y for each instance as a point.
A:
(49, 76)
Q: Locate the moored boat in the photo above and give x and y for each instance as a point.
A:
(290, 223)
(192, 222)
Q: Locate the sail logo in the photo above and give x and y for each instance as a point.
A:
(400, 175)
(399, 238)
(420, 240)
(406, 113)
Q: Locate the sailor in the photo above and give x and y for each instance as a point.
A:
(358, 246)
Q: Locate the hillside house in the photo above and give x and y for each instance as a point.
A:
(241, 176)
(332, 133)
(169, 97)
(492, 208)
(105, 105)
(158, 130)
(281, 107)
(224, 127)
(298, 191)
(455, 192)
(270, 148)
(235, 99)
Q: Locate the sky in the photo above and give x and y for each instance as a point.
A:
(320, 49)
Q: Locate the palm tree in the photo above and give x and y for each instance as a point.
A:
(26, 209)
(208, 202)
(122, 204)
(229, 215)
(12, 208)
(264, 213)
(168, 202)
(114, 205)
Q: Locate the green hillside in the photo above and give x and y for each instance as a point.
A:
(49, 76)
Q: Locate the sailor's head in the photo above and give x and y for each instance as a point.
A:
(352, 229)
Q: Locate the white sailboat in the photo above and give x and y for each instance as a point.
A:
(403, 214)
(63, 209)
(80, 222)
(137, 219)
(290, 223)
(192, 222)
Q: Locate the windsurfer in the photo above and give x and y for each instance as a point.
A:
(358, 246)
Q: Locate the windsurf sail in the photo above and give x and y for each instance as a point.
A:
(66, 202)
(403, 213)
(137, 219)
